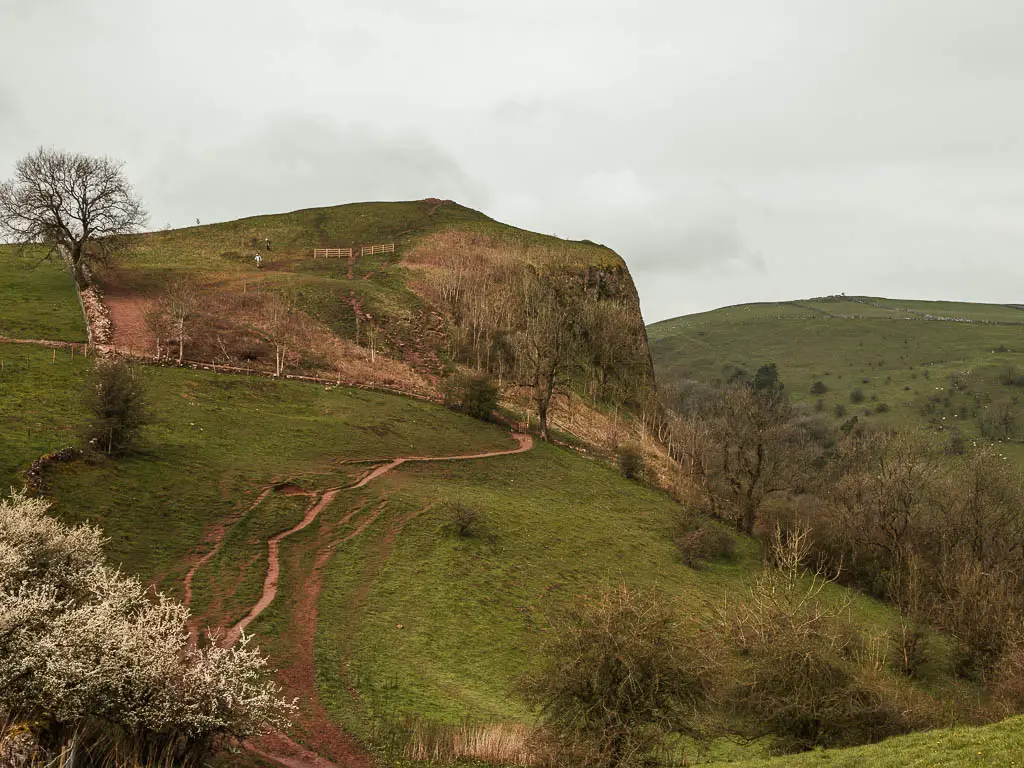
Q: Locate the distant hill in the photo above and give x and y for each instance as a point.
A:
(939, 363)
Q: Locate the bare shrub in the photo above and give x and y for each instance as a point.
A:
(1008, 678)
(699, 539)
(806, 674)
(618, 675)
(856, 395)
(116, 398)
(819, 388)
(466, 521)
(630, 459)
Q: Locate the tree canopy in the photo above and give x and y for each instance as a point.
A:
(71, 201)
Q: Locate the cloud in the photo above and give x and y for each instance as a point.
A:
(302, 162)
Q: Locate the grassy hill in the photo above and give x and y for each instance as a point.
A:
(936, 363)
(334, 292)
(384, 612)
(1001, 744)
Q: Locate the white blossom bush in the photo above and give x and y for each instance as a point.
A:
(81, 641)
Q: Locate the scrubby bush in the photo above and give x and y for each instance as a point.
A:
(882, 408)
(618, 674)
(856, 395)
(474, 394)
(957, 443)
(767, 379)
(82, 643)
(698, 539)
(630, 459)
(819, 388)
(840, 411)
(466, 521)
(1000, 420)
(806, 674)
(116, 398)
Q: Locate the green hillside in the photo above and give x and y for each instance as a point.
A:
(37, 297)
(936, 363)
(383, 611)
(383, 614)
(999, 745)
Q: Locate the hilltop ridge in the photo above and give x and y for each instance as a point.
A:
(446, 288)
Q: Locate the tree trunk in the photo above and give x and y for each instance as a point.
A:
(749, 516)
(76, 265)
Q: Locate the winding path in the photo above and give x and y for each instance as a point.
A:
(274, 542)
(278, 747)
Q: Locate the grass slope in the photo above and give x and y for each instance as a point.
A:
(37, 297)
(214, 441)
(1000, 744)
(886, 348)
(471, 610)
(221, 255)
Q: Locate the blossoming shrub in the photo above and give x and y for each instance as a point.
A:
(81, 642)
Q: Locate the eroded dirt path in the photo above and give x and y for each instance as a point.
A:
(278, 747)
(274, 543)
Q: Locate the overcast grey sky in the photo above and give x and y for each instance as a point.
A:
(730, 150)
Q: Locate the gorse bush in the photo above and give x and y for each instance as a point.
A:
(81, 642)
(115, 396)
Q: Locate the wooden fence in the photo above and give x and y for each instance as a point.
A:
(327, 253)
(346, 253)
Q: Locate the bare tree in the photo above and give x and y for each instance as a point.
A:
(176, 314)
(545, 342)
(280, 321)
(72, 201)
(748, 448)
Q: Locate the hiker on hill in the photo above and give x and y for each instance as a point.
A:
(268, 243)
(258, 259)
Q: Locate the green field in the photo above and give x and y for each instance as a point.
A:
(37, 297)
(903, 364)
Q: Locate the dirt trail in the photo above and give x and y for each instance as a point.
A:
(274, 565)
(274, 542)
(278, 747)
(218, 537)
